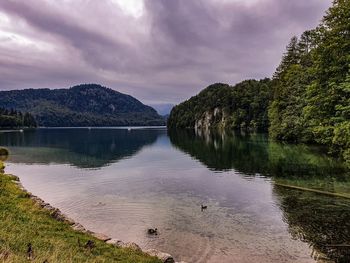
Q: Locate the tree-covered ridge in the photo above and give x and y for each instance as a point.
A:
(243, 106)
(311, 101)
(82, 105)
(15, 119)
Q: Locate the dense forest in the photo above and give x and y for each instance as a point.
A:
(83, 105)
(308, 97)
(15, 119)
(311, 101)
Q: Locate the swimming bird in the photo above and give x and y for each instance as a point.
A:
(152, 231)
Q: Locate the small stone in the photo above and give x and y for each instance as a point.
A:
(164, 257)
(100, 236)
(78, 227)
(68, 220)
(56, 213)
(48, 206)
(129, 245)
(114, 242)
(14, 178)
(134, 246)
(120, 244)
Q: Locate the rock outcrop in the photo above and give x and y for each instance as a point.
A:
(209, 119)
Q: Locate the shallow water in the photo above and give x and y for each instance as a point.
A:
(123, 181)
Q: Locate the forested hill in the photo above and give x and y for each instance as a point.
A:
(309, 95)
(82, 105)
(243, 106)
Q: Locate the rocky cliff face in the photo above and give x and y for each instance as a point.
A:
(213, 118)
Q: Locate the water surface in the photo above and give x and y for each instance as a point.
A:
(123, 181)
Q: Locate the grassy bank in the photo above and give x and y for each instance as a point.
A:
(24, 222)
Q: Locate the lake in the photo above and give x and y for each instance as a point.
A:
(266, 201)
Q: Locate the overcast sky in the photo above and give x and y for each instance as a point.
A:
(160, 51)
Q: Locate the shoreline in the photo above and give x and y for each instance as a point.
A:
(57, 215)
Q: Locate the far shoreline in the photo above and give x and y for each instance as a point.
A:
(84, 127)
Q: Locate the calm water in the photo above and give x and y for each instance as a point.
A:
(121, 182)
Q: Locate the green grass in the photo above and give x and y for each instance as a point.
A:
(22, 221)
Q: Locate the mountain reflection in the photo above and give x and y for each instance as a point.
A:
(84, 148)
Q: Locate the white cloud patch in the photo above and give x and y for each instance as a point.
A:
(131, 7)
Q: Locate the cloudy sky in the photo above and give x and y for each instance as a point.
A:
(160, 51)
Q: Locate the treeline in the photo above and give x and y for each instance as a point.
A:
(307, 100)
(243, 106)
(311, 86)
(16, 119)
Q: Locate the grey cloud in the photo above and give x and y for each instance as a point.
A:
(168, 54)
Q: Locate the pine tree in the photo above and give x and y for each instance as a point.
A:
(290, 81)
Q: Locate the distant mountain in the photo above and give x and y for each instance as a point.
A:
(82, 105)
(163, 109)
